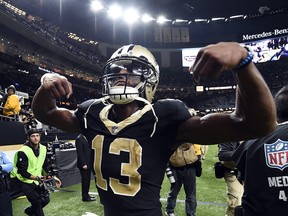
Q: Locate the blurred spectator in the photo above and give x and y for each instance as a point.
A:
(12, 105)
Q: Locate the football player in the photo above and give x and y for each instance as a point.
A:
(133, 138)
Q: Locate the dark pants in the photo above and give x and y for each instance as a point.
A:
(85, 182)
(186, 176)
(5, 202)
(35, 195)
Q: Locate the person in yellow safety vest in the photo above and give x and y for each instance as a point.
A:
(29, 163)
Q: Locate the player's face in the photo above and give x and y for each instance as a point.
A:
(126, 72)
(125, 78)
(34, 138)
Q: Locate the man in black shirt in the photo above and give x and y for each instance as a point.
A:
(263, 164)
(84, 164)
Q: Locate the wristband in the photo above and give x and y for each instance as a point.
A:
(246, 61)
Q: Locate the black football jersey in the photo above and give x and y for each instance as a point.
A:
(131, 156)
(264, 164)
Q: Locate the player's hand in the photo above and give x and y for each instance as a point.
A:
(212, 60)
(56, 85)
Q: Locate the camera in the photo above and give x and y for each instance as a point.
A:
(169, 174)
(49, 184)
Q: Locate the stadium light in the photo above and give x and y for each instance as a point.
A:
(200, 20)
(180, 21)
(114, 11)
(162, 19)
(217, 18)
(236, 16)
(96, 6)
(131, 15)
(147, 18)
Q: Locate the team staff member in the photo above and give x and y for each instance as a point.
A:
(29, 163)
(6, 167)
(84, 164)
(263, 164)
(183, 167)
(133, 139)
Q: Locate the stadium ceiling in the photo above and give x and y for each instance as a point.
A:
(77, 16)
(171, 9)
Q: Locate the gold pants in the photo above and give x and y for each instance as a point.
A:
(234, 193)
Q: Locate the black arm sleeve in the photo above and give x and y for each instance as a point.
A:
(46, 165)
(226, 151)
(22, 165)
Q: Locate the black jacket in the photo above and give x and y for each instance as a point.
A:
(83, 152)
(226, 150)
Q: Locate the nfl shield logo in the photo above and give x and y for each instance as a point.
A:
(114, 129)
(276, 154)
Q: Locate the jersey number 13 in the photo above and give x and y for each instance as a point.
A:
(129, 170)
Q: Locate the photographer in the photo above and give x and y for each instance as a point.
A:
(29, 163)
(6, 166)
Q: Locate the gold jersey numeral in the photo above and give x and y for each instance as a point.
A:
(130, 169)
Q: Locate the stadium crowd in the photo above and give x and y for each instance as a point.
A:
(169, 82)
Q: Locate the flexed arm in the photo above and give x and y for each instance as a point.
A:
(254, 115)
(54, 86)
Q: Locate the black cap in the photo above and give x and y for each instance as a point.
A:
(11, 87)
(32, 131)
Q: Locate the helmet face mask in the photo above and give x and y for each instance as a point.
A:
(131, 72)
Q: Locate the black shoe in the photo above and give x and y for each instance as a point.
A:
(88, 199)
(29, 211)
